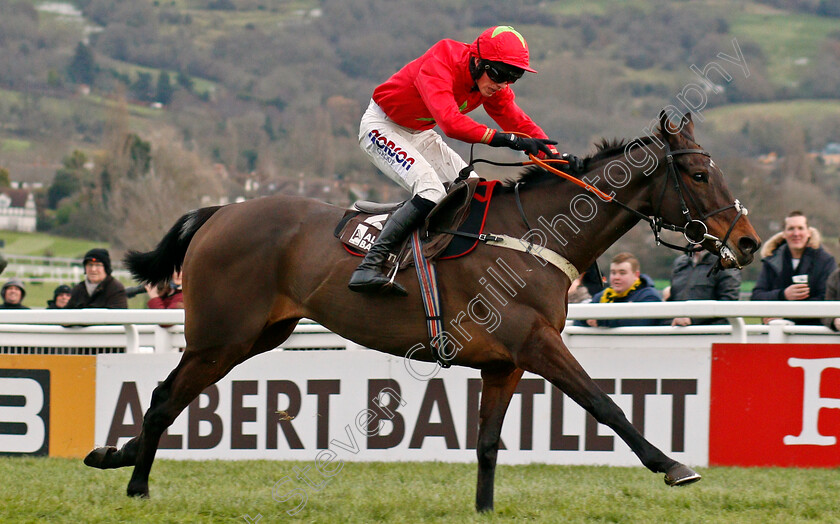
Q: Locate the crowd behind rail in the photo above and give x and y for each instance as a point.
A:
(795, 267)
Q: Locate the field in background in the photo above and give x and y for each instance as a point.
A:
(60, 490)
(785, 38)
(43, 245)
(732, 117)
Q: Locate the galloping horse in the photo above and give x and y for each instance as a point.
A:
(252, 270)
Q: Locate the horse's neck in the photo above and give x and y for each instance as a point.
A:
(578, 224)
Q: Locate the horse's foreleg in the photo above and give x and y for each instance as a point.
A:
(548, 356)
(497, 388)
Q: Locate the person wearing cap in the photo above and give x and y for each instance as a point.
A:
(438, 89)
(13, 293)
(99, 289)
(61, 296)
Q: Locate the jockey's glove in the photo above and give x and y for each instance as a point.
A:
(575, 163)
(533, 146)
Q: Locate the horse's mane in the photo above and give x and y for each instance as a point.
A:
(605, 148)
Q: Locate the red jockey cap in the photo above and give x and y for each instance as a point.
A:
(502, 44)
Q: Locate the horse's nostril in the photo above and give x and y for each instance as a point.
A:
(748, 245)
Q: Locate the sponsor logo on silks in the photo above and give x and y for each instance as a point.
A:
(362, 238)
(389, 150)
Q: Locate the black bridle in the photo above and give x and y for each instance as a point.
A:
(695, 231)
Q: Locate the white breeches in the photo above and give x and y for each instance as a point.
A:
(419, 161)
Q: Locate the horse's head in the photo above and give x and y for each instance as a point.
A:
(695, 198)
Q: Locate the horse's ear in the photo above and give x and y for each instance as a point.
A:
(666, 126)
(687, 125)
(664, 122)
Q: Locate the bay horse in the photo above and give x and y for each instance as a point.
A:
(252, 270)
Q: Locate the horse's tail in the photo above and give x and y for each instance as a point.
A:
(157, 265)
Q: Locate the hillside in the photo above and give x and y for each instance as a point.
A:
(242, 98)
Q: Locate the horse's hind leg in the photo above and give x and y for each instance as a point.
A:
(497, 388)
(548, 356)
(109, 457)
(196, 370)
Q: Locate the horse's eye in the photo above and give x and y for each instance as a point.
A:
(700, 176)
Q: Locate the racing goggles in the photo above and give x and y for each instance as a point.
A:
(501, 73)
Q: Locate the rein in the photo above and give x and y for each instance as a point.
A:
(695, 231)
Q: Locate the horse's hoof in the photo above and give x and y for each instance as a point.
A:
(681, 475)
(98, 458)
(139, 491)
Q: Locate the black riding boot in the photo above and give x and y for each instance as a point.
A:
(368, 277)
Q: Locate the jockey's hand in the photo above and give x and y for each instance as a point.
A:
(554, 154)
(532, 146)
(575, 163)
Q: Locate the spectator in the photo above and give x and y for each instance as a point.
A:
(832, 292)
(627, 284)
(691, 280)
(2, 264)
(167, 296)
(13, 293)
(61, 296)
(578, 294)
(792, 256)
(99, 289)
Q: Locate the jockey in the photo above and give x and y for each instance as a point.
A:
(439, 88)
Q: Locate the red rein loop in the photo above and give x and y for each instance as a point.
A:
(578, 182)
(592, 189)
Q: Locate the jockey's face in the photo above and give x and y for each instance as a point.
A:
(488, 87)
(622, 276)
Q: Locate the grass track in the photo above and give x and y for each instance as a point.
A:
(61, 490)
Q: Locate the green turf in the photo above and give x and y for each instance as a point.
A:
(40, 244)
(59, 490)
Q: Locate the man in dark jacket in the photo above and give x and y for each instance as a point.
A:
(627, 284)
(99, 289)
(794, 265)
(13, 293)
(690, 280)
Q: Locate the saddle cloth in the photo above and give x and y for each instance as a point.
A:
(464, 209)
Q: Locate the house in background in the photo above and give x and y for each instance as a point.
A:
(831, 154)
(17, 210)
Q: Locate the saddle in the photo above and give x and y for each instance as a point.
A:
(451, 230)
